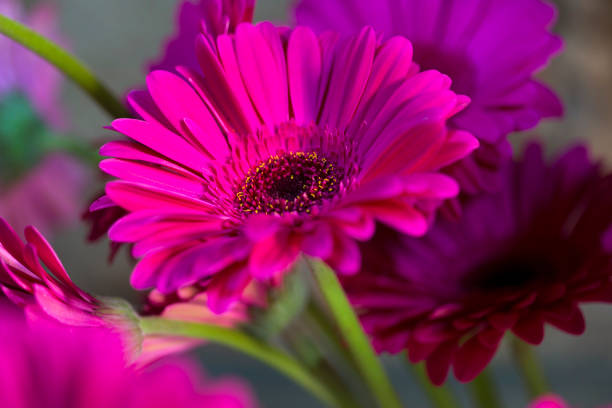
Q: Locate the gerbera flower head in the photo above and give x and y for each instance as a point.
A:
(29, 117)
(489, 49)
(48, 365)
(282, 143)
(519, 259)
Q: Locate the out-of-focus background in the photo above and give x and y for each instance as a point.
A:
(118, 37)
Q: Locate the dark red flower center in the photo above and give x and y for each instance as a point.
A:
(511, 272)
(288, 182)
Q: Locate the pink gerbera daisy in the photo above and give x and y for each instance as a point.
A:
(46, 365)
(37, 184)
(519, 259)
(490, 49)
(281, 143)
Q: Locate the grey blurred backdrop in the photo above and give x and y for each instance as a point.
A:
(117, 38)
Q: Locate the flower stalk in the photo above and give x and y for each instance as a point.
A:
(531, 370)
(358, 343)
(68, 64)
(240, 341)
(484, 391)
(440, 397)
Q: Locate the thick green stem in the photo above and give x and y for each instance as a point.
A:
(529, 366)
(242, 342)
(440, 397)
(65, 62)
(484, 392)
(358, 343)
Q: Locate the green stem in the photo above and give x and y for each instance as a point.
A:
(74, 147)
(440, 397)
(358, 343)
(484, 392)
(242, 342)
(528, 364)
(65, 62)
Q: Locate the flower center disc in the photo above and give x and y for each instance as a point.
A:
(288, 182)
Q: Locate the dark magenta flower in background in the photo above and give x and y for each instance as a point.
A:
(516, 260)
(491, 50)
(37, 185)
(49, 365)
(274, 148)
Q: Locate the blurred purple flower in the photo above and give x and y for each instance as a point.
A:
(490, 49)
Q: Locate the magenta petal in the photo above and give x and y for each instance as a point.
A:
(530, 329)
(227, 288)
(273, 255)
(574, 323)
(438, 363)
(304, 66)
(64, 313)
(503, 321)
(346, 257)
(471, 358)
(319, 242)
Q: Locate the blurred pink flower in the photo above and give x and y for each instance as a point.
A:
(553, 401)
(528, 256)
(19, 66)
(47, 365)
(262, 154)
(549, 401)
(33, 277)
(489, 49)
(48, 195)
